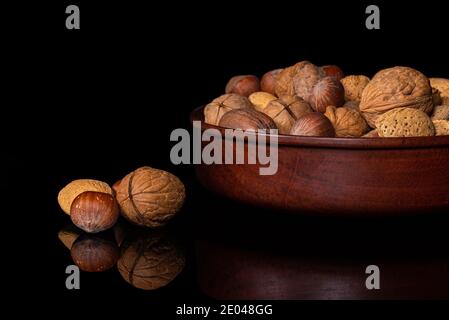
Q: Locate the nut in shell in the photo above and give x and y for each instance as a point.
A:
(298, 79)
(94, 211)
(150, 261)
(440, 113)
(313, 124)
(331, 71)
(243, 85)
(247, 119)
(261, 99)
(347, 122)
(372, 134)
(94, 253)
(442, 85)
(396, 87)
(327, 92)
(441, 127)
(405, 122)
(150, 197)
(76, 187)
(354, 86)
(286, 110)
(268, 81)
(225, 103)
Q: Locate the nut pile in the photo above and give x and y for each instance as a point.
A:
(309, 100)
(147, 197)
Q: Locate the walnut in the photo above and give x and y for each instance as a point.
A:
(150, 197)
(347, 122)
(219, 106)
(441, 127)
(442, 85)
(441, 112)
(394, 88)
(150, 260)
(354, 85)
(405, 122)
(298, 79)
(247, 119)
(286, 110)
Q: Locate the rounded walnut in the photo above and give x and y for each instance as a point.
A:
(405, 122)
(225, 103)
(286, 110)
(150, 261)
(442, 85)
(441, 112)
(298, 79)
(347, 122)
(150, 197)
(247, 119)
(395, 88)
(354, 86)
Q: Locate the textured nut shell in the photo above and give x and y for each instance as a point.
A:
(247, 119)
(306, 76)
(405, 122)
(347, 122)
(442, 85)
(352, 105)
(268, 81)
(151, 262)
(327, 92)
(331, 71)
(150, 197)
(94, 211)
(92, 254)
(76, 187)
(354, 86)
(243, 85)
(372, 134)
(313, 124)
(261, 99)
(441, 113)
(394, 88)
(225, 103)
(436, 97)
(441, 127)
(286, 110)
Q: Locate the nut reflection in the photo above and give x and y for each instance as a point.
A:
(150, 261)
(94, 253)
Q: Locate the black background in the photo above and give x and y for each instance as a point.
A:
(101, 101)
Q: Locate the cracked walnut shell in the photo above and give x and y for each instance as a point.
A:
(347, 122)
(150, 197)
(394, 88)
(405, 122)
(225, 103)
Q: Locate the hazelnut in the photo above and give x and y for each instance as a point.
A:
(94, 254)
(76, 187)
(247, 119)
(219, 106)
(286, 110)
(150, 197)
(354, 86)
(405, 122)
(441, 127)
(94, 211)
(331, 71)
(347, 122)
(372, 134)
(243, 85)
(313, 124)
(395, 88)
(261, 99)
(327, 92)
(268, 81)
(150, 260)
(441, 112)
(442, 85)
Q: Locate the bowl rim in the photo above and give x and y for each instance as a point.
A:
(343, 143)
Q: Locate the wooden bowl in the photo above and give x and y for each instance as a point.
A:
(343, 176)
